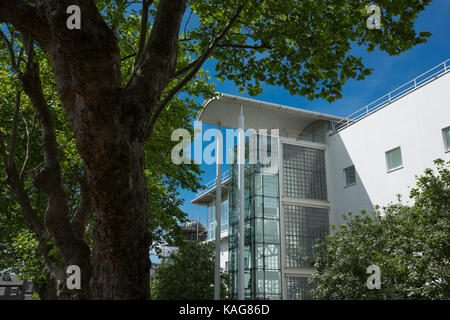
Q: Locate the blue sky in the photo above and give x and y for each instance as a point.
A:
(389, 73)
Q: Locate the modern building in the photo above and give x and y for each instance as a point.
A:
(322, 166)
(207, 198)
(13, 288)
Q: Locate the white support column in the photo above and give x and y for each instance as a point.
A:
(241, 224)
(218, 213)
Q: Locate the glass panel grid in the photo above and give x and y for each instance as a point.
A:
(298, 288)
(304, 172)
(303, 226)
(262, 230)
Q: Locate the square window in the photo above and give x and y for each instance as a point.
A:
(394, 159)
(13, 291)
(446, 134)
(350, 175)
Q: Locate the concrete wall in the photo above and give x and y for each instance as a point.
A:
(414, 123)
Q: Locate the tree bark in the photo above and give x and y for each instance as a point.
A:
(121, 234)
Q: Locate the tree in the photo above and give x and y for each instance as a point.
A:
(118, 75)
(187, 274)
(19, 246)
(410, 244)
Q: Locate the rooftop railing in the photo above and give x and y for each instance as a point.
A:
(212, 184)
(394, 95)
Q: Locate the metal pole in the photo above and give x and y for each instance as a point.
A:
(218, 214)
(241, 167)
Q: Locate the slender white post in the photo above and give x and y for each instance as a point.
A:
(241, 232)
(218, 213)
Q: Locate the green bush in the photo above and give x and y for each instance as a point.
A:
(187, 274)
(410, 244)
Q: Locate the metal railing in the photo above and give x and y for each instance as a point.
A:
(394, 95)
(212, 184)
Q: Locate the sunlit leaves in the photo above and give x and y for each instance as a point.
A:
(410, 244)
(188, 274)
(303, 46)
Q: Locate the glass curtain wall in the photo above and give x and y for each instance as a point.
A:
(304, 177)
(262, 224)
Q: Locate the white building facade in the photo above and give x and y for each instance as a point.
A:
(328, 166)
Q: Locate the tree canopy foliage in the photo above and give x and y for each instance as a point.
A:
(188, 274)
(410, 244)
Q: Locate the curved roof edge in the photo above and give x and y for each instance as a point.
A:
(265, 105)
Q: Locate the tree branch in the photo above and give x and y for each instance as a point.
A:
(30, 216)
(194, 67)
(29, 137)
(243, 46)
(196, 64)
(144, 29)
(12, 56)
(85, 208)
(13, 141)
(128, 57)
(48, 178)
(155, 66)
(3, 151)
(25, 18)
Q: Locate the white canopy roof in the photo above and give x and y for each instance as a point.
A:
(225, 108)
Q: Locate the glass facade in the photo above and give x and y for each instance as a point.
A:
(304, 172)
(304, 178)
(303, 226)
(212, 219)
(316, 132)
(298, 288)
(262, 226)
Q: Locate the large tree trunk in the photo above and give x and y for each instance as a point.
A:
(121, 263)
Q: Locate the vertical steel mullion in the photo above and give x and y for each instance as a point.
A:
(218, 214)
(241, 223)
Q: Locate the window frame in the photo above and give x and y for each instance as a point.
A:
(345, 175)
(387, 159)
(14, 292)
(2, 291)
(446, 143)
